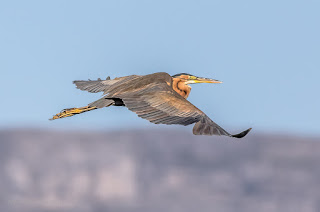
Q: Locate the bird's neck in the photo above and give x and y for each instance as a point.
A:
(181, 88)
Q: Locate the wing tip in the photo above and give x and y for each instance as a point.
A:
(242, 134)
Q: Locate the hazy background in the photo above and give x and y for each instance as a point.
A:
(267, 53)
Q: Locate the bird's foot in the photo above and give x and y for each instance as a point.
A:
(71, 112)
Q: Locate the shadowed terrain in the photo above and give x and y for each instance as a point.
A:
(157, 171)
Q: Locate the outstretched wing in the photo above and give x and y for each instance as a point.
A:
(160, 104)
(95, 86)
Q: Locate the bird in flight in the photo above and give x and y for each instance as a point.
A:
(159, 98)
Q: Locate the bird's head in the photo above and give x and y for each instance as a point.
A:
(191, 79)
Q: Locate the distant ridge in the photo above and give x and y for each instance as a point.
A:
(142, 170)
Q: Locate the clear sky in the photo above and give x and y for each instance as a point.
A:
(267, 53)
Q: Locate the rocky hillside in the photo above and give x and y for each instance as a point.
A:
(157, 171)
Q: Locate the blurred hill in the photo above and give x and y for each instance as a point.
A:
(157, 171)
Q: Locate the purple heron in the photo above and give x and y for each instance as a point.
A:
(159, 98)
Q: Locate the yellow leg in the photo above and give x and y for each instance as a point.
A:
(71, 112)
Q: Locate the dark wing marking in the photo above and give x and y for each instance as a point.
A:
(95, 86)
(160, 104)
(208, 127)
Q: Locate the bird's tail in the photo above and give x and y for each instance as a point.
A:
(72, 111)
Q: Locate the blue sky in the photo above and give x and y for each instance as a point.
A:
(267, 53)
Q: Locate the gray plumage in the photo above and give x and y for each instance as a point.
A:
(153, 98)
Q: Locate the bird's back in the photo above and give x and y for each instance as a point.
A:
(112, 87)
(141, 82)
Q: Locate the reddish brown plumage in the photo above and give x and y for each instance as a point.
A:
(179, 85)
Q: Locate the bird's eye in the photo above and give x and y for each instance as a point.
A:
(193, 77)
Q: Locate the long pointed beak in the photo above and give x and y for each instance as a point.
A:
(204, 80)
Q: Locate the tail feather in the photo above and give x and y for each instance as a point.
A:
(72, 111)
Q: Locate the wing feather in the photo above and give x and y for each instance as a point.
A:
(95, 86)
(157, 102)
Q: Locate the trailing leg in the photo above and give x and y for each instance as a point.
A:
(100, 103)
(72, 111)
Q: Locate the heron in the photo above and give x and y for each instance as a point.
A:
(158, 98)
